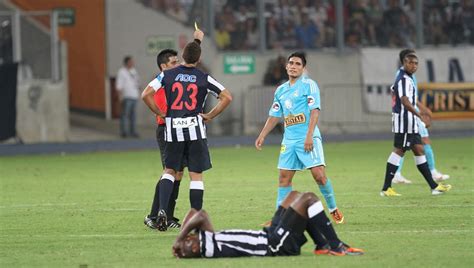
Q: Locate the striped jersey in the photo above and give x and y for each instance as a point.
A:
(186, 90)
(404, 121)
(294, 103)
(233, 243)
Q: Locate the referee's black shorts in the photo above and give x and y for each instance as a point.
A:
(193, 154)
(406, 141)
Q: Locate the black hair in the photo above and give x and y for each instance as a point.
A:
(192, 52)
(164, 56)
(298, 54)
(126, 59)
(404, 53)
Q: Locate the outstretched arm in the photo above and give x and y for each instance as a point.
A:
(269, 125)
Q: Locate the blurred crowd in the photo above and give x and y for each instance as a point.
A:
(311, 24)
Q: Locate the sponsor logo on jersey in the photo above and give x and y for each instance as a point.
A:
(276, 107)
(186, 78)
(186, 122)
(310, 100)
(294, 119)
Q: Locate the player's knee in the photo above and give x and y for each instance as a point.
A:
(309, 197)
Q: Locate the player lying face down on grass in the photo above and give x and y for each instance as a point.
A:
(299, 212)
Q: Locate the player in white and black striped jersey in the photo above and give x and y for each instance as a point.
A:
(186, 89)
(285, 237)
(405, 128)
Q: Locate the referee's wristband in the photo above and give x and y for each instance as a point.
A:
(197, 41)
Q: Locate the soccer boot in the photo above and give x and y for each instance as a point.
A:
(162, 221)
(337, 216)
(441, 189)
(438, 176)
(389, 192)
(322, 250)
(174, 223)
(150, 222)
(398, 178)
(344, 249)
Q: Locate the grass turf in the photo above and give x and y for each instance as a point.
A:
(87, 209)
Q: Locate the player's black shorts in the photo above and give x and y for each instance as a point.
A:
(160, 139)
(287, 237)
(194, 154)
(406, 140)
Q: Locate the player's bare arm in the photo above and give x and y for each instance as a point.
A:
(225, 98)
(194, 220)
(313, 120)
(406, 102)
(269, 125)
(147, 97)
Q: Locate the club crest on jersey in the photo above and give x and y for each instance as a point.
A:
(310, 100)
(186, 122)
(276, 107)
(294, 119)
(186, 78)
(288, 104)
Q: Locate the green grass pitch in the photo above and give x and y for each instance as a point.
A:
(86, 210)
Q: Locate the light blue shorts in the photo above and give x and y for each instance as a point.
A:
(422, 130)
(294, 157)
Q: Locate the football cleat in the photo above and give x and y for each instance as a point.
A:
(150, 222)
(441, 189)
(438, 176)
(162, 221)
(337, 216)
(322, 250)
(344, 249)
(390, 192)
(173, 223)
(398, 178)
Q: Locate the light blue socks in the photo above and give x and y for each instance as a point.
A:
(328, 193)
(429, 156)
(282, 193)
(399, 170)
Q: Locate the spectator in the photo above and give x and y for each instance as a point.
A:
(222, 37)
(127, 84)
(306, 33)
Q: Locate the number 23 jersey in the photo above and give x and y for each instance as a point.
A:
(186, 90)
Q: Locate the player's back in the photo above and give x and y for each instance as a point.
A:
(185, 90)
(233, 243)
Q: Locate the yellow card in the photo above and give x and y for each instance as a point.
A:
(196, 26)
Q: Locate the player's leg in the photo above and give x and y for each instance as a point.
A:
(400, 145)
(314, 161)
(198, 159)
(287, 165)
(173, 222)
(399, 178)
(309, 206)
(150, 220)
(123, 118)
(437, 176)
(422, 165)
(132, 118)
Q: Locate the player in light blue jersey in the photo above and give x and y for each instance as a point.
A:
(425, 138)
(298, 102)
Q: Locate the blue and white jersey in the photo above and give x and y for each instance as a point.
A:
(294, 103)
(404, 121)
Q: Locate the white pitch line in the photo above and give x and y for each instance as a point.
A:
(410, 231)
(409, 206)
